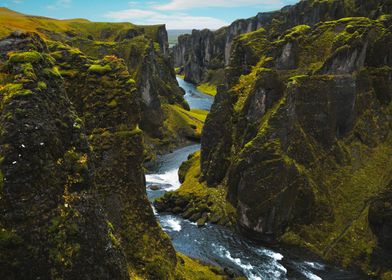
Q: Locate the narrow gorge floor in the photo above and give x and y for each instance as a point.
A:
(219, 246)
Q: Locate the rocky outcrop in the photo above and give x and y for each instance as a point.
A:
(151, 70)
(50, 214)
(221, 114)
(197, 51)
(301, 135)
(202, 52)
(194, 200)
(71, 151)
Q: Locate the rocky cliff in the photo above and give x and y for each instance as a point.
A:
(305, 145)
(50, 215)
(202, 54)
(72, 195)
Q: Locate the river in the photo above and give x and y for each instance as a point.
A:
(219, 246)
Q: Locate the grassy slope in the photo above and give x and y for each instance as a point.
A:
(187, 123)
(11, 21)
(188, 268)
(207, 89)
(200, 197)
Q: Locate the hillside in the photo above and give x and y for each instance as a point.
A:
(173, 35)
(145, 52)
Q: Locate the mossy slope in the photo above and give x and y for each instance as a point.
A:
(144, 50)
(194, 200)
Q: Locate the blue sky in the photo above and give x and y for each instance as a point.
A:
(176, 14)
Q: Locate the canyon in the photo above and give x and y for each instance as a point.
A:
(114, 167)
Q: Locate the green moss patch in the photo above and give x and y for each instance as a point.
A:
(99, 69)
(188, 268)
(25, 57)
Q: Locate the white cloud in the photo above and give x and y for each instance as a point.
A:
(59, 4)
(188, 4)
(172, 20)
(152, 12)
(17, 1)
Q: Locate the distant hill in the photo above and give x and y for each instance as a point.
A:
(175, 33)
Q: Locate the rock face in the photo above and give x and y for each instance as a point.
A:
(203, 52)
(72, 197)
(301, 134)
(51, 218)
(152, 72)
(73, 203)
(380, 220)
(214, 167)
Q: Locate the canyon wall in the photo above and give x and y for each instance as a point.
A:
(202, 53)
(299, 135)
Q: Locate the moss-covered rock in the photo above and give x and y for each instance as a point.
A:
(108, 104)
(72, 190)
(50, 219)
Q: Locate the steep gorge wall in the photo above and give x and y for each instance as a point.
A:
(71, 150)
(50, 214)
(202, 53)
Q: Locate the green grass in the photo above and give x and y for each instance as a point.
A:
(12, 21)
(207, 89)
(188, 268)
(188, 123)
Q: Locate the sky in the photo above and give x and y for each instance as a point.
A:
(176, 14)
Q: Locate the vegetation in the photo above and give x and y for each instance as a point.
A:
(207, 89)
(13, 21)
(188, 123)
(188, 268)
(99, 69)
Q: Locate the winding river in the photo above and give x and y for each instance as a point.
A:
(219, 246)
